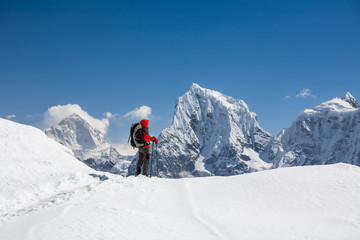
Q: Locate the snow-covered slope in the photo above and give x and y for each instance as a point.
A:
(88, 144)
(309, 202)
(211, 134)
(34, 167)
(328, 133)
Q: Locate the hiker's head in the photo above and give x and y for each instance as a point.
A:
(144, 123)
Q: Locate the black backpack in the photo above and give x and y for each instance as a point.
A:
(136, 138)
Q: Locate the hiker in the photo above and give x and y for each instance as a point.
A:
(144, 151)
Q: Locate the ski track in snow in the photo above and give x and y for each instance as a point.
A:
(196, 211)
(60, 201)
(50, 202)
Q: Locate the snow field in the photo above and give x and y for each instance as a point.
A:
(312, 202)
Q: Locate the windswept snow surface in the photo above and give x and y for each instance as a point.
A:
(308, 202)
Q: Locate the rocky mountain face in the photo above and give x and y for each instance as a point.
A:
(88, 145)
(328, 133)
(211, 134)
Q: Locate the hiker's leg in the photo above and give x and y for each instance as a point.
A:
(140, 162)
(146, 161)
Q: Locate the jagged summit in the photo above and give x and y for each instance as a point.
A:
(195, 86)
(211, 134)
(74, 116)
(204, 93)
(197, 89)
(348, 96)
(334, 106)
(351, 100)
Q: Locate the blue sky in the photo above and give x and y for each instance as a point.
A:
(94, 53)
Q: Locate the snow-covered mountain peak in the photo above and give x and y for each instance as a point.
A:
(194, 86)
(199, 93)
(351, 100)
(88, 144)
(74, 117)
(328, 133)
(212, 134)
(335, 106)
(75, 120)
(76, 133)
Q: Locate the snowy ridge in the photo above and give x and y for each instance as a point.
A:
(328, 133)
(211, 134)
(88, 144)
(34, 167)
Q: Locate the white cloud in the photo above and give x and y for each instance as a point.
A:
(287, 97)
(140, 112)
(109, 115)
(11, 116)
(56, 114)
(304, 93)
(125, 149)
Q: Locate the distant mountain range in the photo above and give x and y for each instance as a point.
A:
(214, 134)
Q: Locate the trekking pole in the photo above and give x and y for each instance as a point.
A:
(152, 157)
(157, 165)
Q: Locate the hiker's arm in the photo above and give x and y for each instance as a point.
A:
(148, 138)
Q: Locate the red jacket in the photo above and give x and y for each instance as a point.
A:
(145, 124)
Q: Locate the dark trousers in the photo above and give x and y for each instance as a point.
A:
(144, 157)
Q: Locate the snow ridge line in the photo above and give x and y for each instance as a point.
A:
(196, 212)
